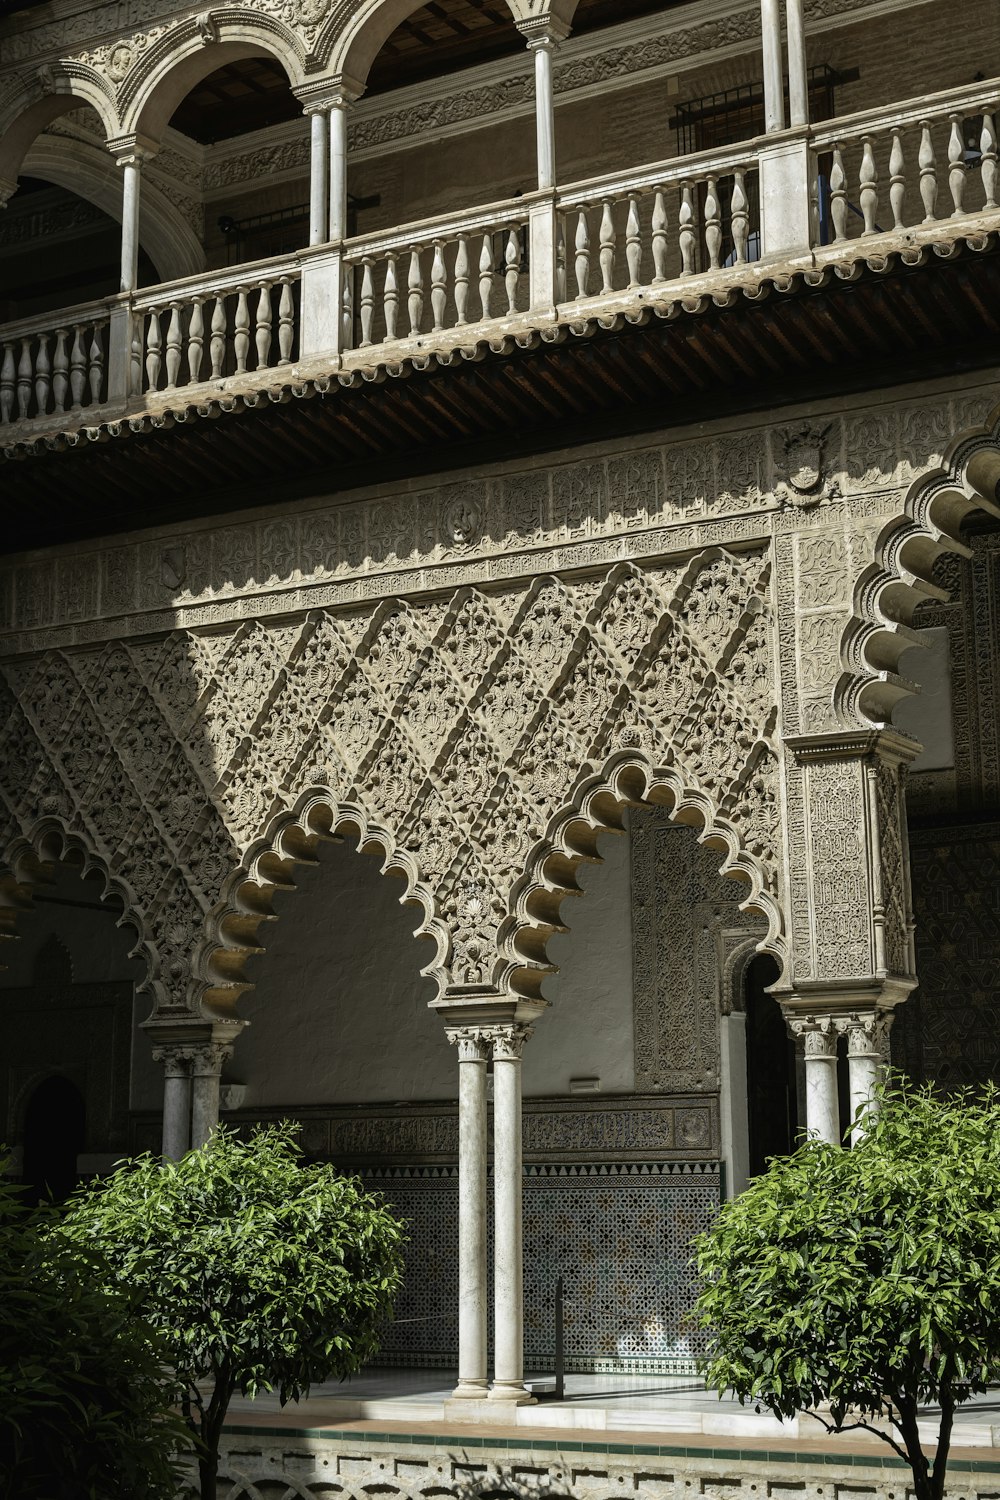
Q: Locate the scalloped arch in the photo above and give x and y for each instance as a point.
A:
(234, 926)
(25, 871)
(628, 779)
(901, 575)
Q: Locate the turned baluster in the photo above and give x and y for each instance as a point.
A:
(869, 185)
(7, 383)
(24, 373)
(988, 162)
(154, 342)
(241, 330)
(439, 287)
(713, 224)
(686, 230)
(415, 291)
(927, 165)
(77, 366)
(175, 346)
(956, 166)
(582, 254)
(217, 342)
(347, 312)
(60, 371)
(607, 248)
(390, 298)
(262, 326)
(462, 281)
(740, 217)
(561, 277)
(196, 340)
(512, 273)
(486, 277)
(367, 302)
(661, 248)
(286, 322)
(838, 194)
(95, 367)
(43, 375)
(897, 179)
(633, 243)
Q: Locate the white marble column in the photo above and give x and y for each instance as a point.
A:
(338, 170)
(473, 1053)
(867, 1039)
(508, 1266)
(206, 1067)
(318, 196)
(798, 77)
(819, 1038)
(545, 119)
(176, 1100)
(130, 163)
(774, 92)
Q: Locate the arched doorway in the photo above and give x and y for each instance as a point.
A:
(54, 1135)
(772, 1112)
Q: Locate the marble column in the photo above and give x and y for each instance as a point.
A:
(318, 196)
(206, 1068)
(473, 1052)
(338, 170)
(798, 76)
(508, 1266)
(545, 120)
(774, 90)
(867, 1039)
(819, 1039)
(131, 165)
(176, 1099)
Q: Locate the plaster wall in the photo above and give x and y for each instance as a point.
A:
(339, 1011)
(927, 716)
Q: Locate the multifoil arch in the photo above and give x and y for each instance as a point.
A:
(901, 573)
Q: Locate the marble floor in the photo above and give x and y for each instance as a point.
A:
(608, 1403)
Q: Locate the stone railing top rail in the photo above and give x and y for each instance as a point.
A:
(698, 164)
(449, 226)
(209, 283)
(970, 98)
(83, 314)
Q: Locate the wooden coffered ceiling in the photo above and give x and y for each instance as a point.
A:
(439, 38)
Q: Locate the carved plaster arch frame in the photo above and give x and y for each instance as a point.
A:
(25, 870)
(234, 926)
(901, 575)
(732, 993)
(33, 105)
(628, 779)
(89, 172)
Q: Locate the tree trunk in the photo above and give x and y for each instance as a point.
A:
(208, 1472)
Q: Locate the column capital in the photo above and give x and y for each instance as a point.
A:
(320, 95)
(473, 1043)
(543, 31)
(132, 150)
(508, 1041)
(818, 1033)
(853, 744)
(208, 1058)
(867, 1033)
(176, 1059)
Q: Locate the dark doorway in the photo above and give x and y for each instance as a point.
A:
(771, 1094)
(54, 1133)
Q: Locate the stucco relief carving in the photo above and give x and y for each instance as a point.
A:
(452, 734)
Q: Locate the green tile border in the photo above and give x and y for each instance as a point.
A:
(629, 1450)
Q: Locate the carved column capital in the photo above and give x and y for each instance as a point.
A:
(208, 1058)
(176, 1059)
(508, 1041)
(867, 1033)
(543, 31)
(473, 1043)
(818, 1033)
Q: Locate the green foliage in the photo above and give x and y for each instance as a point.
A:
(868, 1278)
(85, 1399)
(261, 1273)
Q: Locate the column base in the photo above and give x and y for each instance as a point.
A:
(470, 1390)
(514, 1394)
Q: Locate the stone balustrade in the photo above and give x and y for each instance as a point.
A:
(895, 180)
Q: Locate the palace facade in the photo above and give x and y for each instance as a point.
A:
(552, 447)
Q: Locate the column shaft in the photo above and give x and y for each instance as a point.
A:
(317, 177)
(545, 123)
(130, 223)
(774, 94)
(176, 1114)
(822, 1105)
(338, 171)
(867, 1036)
(508, 1289)
(798, 78)
(472, 1209)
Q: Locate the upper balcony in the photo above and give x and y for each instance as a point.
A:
(280, 232)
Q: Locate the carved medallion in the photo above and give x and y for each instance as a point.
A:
(461, 521)
(800, 464)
